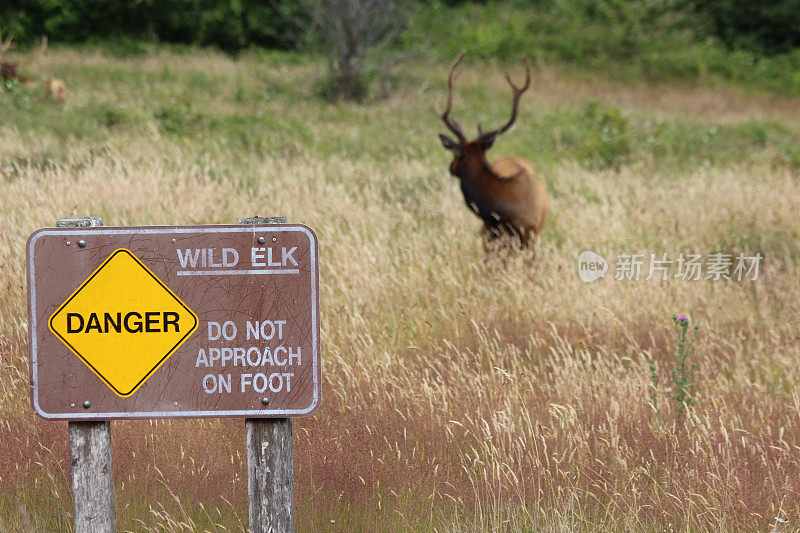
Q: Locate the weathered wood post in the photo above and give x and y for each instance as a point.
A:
(270, 460)
(90, 453)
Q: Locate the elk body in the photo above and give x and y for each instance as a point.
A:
(54, 90)
(507, 195)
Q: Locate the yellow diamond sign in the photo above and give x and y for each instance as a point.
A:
(123, 322)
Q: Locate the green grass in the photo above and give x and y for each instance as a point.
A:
(201, 107)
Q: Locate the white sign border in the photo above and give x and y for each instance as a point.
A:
(123, 230)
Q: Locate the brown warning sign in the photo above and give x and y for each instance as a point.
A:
(158, 322)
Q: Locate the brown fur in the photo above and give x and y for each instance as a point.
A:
(8, 71)
(54, 89)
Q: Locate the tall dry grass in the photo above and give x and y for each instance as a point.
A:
(459, 394)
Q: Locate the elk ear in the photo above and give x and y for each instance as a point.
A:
(449, 143)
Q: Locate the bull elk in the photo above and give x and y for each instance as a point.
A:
(10, 70)
(506, 194)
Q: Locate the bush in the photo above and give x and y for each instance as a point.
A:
(178, 118)
(352, 34)
(658, 39)
(765, 27)
(600, 137)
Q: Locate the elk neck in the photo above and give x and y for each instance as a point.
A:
(472, 167)
(477, 180)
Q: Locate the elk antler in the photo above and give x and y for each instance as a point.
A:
(515, 106)
(449, 122)
(36, 52)
(5, 45)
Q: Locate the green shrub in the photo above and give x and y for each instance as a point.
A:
(599, 136)
(771, 27)
(111, 116)
(609, 140)
(178, 118)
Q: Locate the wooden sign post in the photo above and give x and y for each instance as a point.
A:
(270, 460)
(176, 322)
(90, 453)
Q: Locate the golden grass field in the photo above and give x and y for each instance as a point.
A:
(460, 393)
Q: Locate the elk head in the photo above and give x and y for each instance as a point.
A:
(9, 70)
(506, 194)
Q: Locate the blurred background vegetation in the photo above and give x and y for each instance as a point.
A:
(753, 43)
